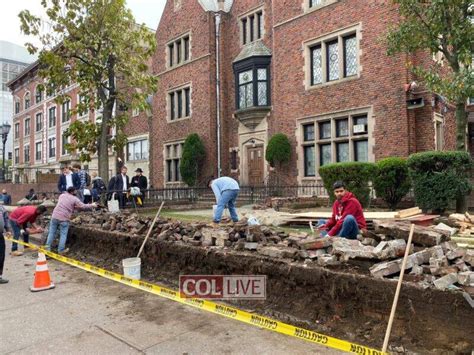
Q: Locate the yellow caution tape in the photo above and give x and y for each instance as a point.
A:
(217, 308)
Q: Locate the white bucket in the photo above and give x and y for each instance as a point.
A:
(131, 267)
(226, 213)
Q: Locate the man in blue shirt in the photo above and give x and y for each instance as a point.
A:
(5, 198)
(226, 191)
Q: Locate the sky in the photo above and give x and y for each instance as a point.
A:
(145, 11)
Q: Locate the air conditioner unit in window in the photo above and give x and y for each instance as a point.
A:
(360, 128)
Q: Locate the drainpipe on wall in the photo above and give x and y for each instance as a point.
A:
(218, 99)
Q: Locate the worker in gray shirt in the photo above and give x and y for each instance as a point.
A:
(226, 191)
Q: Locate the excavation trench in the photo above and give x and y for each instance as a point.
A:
(340, 302)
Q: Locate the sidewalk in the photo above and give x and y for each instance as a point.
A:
(86, 314)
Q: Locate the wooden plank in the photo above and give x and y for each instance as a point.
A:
(408, 212)
(367, 215)
(463, 240)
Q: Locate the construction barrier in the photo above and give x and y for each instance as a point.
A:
(213, 307)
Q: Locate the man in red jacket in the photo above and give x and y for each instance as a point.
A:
(347, 215)
(19, 220)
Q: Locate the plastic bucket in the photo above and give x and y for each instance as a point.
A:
(132, 267)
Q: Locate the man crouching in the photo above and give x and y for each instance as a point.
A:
(347, 215)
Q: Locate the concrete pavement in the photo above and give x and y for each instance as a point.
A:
(86, 314)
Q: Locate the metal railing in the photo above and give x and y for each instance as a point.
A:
(248, 194)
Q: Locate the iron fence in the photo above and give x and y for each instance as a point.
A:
(248, 194)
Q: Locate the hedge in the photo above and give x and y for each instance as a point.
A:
(392, 180)
(192, 159)
(439, 178)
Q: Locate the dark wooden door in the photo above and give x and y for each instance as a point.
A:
(255, 166)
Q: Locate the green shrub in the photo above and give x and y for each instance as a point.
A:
(355, 175)
(192, 159)
(278, 150)
(392, 182)
(439, 178)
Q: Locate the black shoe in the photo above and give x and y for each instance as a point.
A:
(3, 281)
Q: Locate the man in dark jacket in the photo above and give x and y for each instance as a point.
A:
(347, 215)
(68, 179)
(120, 184)
(141, 182)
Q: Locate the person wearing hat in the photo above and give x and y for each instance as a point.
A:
(62, 213)
(139, 181)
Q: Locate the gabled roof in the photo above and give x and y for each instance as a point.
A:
(212, 5)
(254, 49)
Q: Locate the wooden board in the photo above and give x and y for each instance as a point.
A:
(367, 215)
(408, 212)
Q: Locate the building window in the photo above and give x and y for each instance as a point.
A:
(172, 160)
(17, 155)
(52, 117)
(38, 151)
(83, 108)
(179, 51)
(64, 142)
(27, 154)
(137, 150)
(252, 26)
(27, 127)
(470, 101)
(233, 160)
(66, 111)
(17, 107)
(17, 130)
(253, 87)
(38, 95)
(334, 58)
(39, 121)
(179, 104)
(439, 131)
(27, 101)
(52, 147)
(334, 139)
(315, 4)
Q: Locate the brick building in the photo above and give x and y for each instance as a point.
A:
(38, 128)
(316, 70)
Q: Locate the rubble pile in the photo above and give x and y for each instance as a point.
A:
(433, 259)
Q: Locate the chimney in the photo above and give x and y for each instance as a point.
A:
(220, 5)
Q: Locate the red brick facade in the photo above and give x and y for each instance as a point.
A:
(289, 29)
(44, 162)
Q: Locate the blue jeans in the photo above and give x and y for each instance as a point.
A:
(16, 229)
(63, 229)
(227, 198)
(349, 229)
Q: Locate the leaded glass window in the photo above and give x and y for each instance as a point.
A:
(350, 55)
(342, 128)
(325, 130)
(342, 150)
(308, 132)
(333, 60)
(246, 89)
(361, 150)
(313, 3)
(262, 87)
(316, 66)
(324, 154)
(309, 161)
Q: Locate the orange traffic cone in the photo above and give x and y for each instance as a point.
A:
(42, 280)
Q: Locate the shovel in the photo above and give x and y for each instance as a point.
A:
(150, 229)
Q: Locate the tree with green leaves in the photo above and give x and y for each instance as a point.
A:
(440, 27)
(97, 45)
(278, 152)
(192, 159)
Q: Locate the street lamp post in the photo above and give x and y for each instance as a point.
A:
(4, 129)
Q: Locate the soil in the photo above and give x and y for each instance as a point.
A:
(343, 303)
